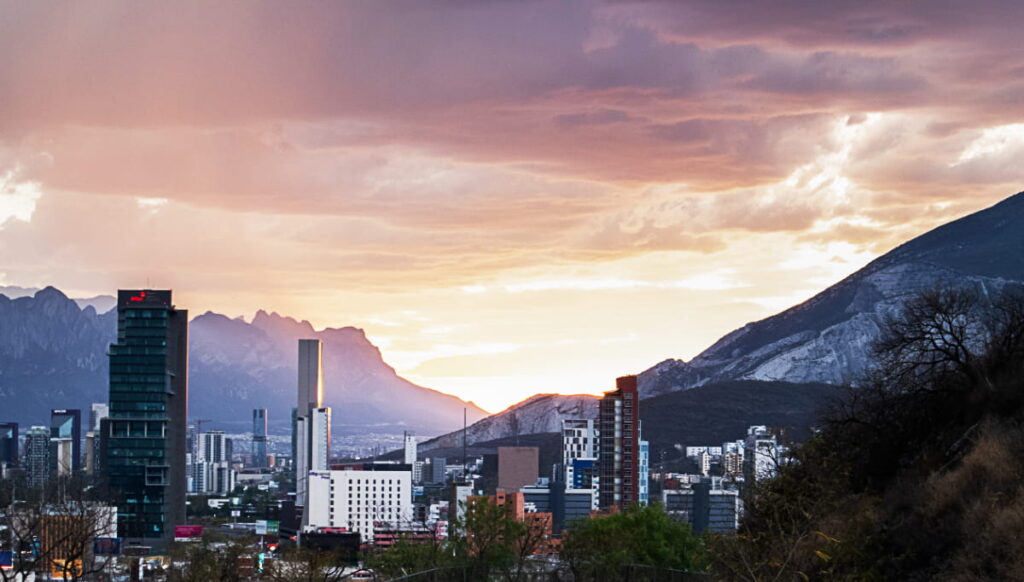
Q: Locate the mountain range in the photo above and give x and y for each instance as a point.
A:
(53, 355)
(52, 349)
(826, 340)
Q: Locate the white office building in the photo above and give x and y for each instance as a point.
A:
(579, 442)
(358, 500)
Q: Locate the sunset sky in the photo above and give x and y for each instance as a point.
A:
(509, 197)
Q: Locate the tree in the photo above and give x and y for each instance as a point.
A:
(603, 547)
(485, 539)
(53, 529)
(412, 554)
(307, 565)
(208, 561)
(916, 474)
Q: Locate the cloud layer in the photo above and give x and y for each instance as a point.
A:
(349, 161)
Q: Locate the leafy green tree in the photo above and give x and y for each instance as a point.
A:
(207, 562)
(603, 548)
(485, 539)
(410, 555)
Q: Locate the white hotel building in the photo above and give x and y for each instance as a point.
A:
(355, 500)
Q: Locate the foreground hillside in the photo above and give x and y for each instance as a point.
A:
(918, 477)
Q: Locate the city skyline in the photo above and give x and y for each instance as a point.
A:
(472, 183)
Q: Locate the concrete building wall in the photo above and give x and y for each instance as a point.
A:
(517, 467)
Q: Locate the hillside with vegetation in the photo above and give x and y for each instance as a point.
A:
(917, 475)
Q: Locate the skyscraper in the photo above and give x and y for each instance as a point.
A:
(65, 441)
(144, 437)
(618, 458)
(259, 437)
(37, 456)
(312, 431)
(8, 447)
(311, 375)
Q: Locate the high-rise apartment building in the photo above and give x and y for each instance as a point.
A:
(144, 438)
(65, 441)
(8, 447)
(259, 437)
(211, 464)
(37, 456)
(312, 422)
(644, 488)
(319, 438)
(618, 425)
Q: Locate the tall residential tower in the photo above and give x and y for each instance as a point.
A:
(618, 458)
(144, 436)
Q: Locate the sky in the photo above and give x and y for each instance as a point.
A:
(509, 197)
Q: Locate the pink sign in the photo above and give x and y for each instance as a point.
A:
(188, 533)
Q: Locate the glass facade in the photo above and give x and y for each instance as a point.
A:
(145, 430)
(65, 424)
(9, 444)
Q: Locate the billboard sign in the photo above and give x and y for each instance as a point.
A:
(188, 533)
(6, 559)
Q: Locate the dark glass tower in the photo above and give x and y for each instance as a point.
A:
(9, 444)
(259, 437)
(65, 425)
(144, 436)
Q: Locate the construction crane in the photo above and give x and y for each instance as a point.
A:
(199, 424)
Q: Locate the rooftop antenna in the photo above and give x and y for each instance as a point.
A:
(465, 471)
